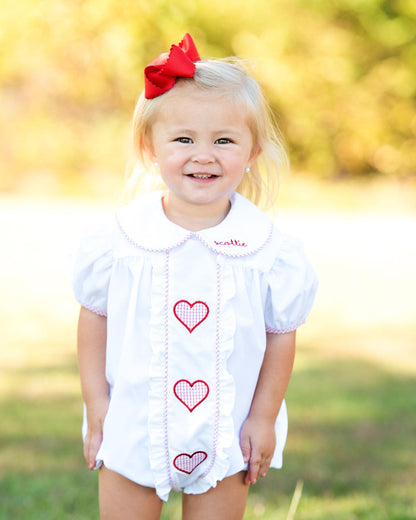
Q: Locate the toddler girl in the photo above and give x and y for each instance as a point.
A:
(190, 301)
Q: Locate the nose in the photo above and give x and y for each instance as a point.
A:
(203, 154)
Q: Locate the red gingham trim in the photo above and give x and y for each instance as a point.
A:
(217, 373)
(95, 310)
(166, 389)
(270, 330)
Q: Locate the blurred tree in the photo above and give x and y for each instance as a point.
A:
(340, 77)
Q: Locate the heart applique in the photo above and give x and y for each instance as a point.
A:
(190, 314)
(191, 394)
(187, 463)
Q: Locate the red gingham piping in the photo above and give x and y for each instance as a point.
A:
(270, 330)
(217, 373)
(166, 389)
(159, 250)
(95, 310)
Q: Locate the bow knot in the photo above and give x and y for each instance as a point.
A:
(161, 74)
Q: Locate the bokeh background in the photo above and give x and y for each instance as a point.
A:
(341, 79)
(339, 75)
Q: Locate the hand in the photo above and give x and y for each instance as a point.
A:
(96, 412)
(257, 442)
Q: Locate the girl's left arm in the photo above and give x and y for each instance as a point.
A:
(257, 438)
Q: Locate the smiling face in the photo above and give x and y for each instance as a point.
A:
(203, 144)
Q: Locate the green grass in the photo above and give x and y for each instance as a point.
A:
(351, 442)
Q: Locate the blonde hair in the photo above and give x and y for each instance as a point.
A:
(230, 78)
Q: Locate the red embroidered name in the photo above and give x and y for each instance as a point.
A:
(232, 242)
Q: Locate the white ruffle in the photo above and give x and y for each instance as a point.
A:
(223, 430)
(291, 288)
(158, 399)
(92, 269)
(226, 388)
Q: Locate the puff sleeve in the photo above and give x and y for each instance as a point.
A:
(92, 270)
(291, 287)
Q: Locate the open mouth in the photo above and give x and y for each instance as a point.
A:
(202, 175)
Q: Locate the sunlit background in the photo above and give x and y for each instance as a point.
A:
(341, 79)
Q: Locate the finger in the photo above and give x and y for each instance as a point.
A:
(92, 444)
(96, 447)
(90, 455)
(245, 446)
(253, 469)
(86, 452)
(91, 458)
(264, 467)
(88, 458)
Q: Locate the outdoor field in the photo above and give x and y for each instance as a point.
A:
(352, 399)
(340, 80)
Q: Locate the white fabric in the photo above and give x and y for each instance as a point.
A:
(187, 315)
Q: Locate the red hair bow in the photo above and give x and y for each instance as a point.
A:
(161, 74)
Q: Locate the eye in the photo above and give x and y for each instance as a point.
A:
(224, 140)
(184, 140)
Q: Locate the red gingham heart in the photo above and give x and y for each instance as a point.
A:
(191, 394)
(190, 314)
(187, 463)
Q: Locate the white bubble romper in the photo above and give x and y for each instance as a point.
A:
(187, 317)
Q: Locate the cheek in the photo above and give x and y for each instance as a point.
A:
(238, 162)
(172, 156)
(171, 165)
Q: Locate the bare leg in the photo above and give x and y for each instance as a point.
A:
(227, 501)
(120, 498)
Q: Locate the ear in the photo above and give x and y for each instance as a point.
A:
(254, 154)
(147, 147)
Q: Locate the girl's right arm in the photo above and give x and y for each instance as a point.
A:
(92, 337)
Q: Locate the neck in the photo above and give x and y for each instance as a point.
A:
(195, 217)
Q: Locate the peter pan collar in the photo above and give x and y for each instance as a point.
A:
(244, 230)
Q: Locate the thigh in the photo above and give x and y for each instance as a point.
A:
(227, 501)
(120, 497)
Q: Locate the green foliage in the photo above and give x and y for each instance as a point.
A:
(340, 77)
